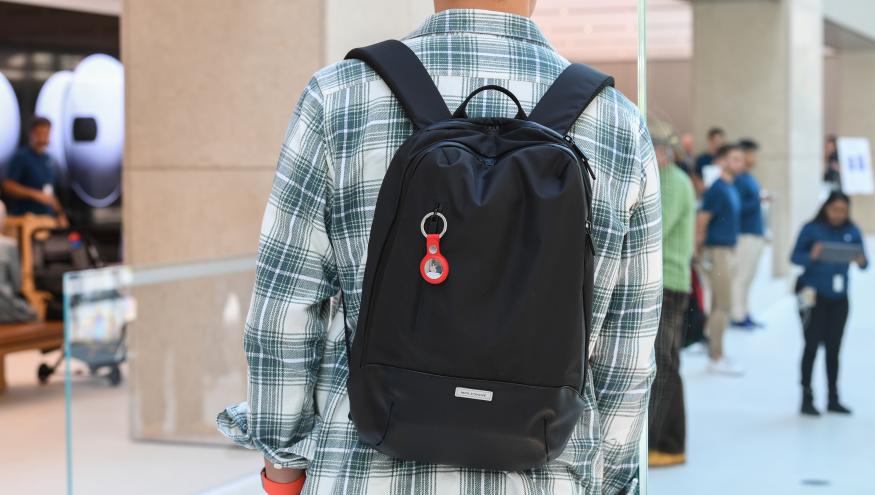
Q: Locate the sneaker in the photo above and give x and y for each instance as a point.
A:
(743, 324)
(656, 458)
(724, 367)
(751, 321)
(836, 407)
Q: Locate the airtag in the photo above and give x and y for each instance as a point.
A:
(434, 268)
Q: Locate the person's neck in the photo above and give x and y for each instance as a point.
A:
(518, 7)
(727, 176)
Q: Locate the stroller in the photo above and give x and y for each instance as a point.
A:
(57, 251)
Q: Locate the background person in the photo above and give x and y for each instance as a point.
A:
(751, 239)
(685, 156)
(832, 170)
(667, 420)
(716, 140)
(717, 230)
(29, 186)
(824, 322)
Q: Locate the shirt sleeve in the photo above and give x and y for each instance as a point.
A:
(802, 250)
(672, 202)
(687, 221)
(622, 361)
(858, 238)
(17, 168)
(295, 277)
(711, 201)
(750, 199)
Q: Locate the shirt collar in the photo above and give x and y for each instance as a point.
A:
(482, 22)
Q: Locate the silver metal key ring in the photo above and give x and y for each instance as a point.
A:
(429, 215)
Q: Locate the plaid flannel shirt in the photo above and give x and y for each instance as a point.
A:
(313, 246)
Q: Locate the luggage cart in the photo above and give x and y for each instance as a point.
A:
(57, 251)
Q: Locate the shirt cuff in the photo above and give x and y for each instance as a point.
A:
(233, 422)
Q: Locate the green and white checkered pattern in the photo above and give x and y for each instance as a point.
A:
(313, 245)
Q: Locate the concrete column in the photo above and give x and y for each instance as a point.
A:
(856, 71)
(209, 90)
(758, 72)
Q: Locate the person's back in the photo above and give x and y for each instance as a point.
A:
(314, 243)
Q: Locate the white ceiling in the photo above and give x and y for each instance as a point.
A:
(606, 30)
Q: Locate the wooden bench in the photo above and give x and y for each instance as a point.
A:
(22, 228)
(38, 335)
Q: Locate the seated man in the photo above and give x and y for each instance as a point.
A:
(29, 184)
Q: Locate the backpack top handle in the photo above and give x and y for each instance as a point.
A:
(461, 112)
(405, 75)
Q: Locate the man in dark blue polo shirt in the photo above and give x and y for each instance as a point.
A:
(718, 228)
(29, 186)
(751, 240)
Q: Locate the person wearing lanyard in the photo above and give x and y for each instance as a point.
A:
(29, 184)
(824, 321)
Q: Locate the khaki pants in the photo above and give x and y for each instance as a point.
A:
(748, 252)
(718, 264)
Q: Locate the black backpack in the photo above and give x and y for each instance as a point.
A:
(471, 343)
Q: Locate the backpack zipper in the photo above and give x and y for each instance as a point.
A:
(579, 153)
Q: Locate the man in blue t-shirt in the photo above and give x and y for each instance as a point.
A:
(29, 186)
(718, 227)
(751, 240)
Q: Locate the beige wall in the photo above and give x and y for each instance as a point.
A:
(209, 91)
(856, 103)
(669, 88)
(208, 94)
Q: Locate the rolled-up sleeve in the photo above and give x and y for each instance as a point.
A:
(622, 360)
(295, 278)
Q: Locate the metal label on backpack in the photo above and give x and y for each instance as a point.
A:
(471, 393)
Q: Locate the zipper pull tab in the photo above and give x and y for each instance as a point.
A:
(577, 150)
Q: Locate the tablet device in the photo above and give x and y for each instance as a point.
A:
(839, 252)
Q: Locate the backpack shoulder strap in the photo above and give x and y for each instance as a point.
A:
(568, 97)
(405, 75)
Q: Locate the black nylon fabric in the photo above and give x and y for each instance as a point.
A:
(510, 316)
(568, 97)
(399, 68)
(511, 205)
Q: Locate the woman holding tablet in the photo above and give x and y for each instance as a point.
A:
(825, 248)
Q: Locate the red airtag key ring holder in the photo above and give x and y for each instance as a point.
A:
(434, 268)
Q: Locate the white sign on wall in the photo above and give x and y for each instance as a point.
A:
(855, 158)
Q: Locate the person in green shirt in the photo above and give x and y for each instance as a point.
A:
(667, 422)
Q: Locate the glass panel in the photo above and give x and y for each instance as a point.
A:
(641, 60)
(152, 355)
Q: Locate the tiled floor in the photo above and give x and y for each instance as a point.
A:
(745, 436)
(32, 447)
